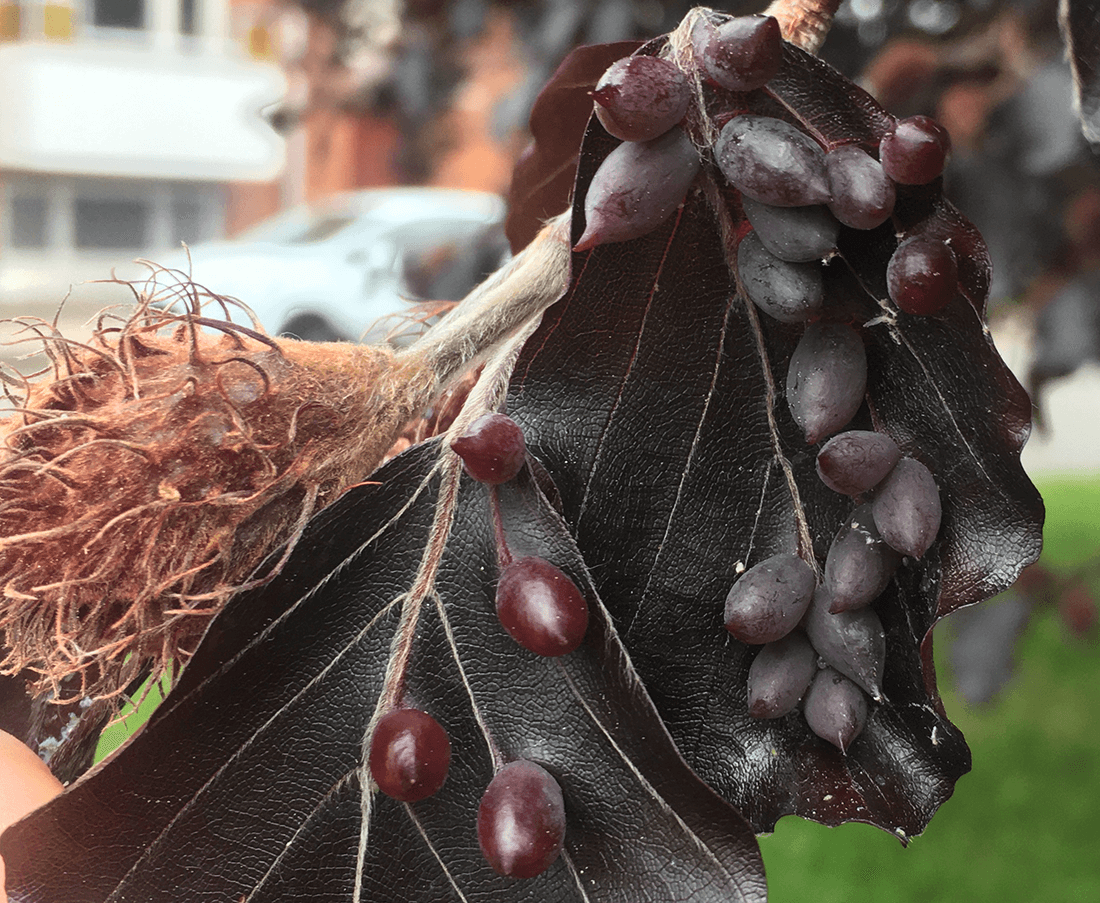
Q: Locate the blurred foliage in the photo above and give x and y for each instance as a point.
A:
(993, 71)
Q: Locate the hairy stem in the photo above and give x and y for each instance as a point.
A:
(493, 311)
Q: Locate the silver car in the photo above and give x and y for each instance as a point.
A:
(337, 269)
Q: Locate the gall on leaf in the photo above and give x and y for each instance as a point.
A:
(679, 464)
(521, 820)
(358, 617)
(542, 181)
(409, 755)
(641, 98)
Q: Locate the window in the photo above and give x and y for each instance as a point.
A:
(189, 17)
(9, 21)
(322, 229)
(57, 21)
(118, 13)
(28, 221)
(192, 220)
(111, 224)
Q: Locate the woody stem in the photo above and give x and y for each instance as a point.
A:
(804, 23)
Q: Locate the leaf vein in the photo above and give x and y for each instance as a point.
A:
(237, 753)
(428, 842)
(700, 844)
(687, 465)
(335, 788)
(802, 527)
(270, 628)
(612, 414)
(572, 866)
(901, 338)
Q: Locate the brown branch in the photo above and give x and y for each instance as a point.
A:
(804, 23)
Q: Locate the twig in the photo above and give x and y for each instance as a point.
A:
(804, 23)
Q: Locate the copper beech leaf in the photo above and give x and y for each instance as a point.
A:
(653, 393)
(248, 783)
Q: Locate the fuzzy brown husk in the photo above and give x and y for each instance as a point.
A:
(148, 475)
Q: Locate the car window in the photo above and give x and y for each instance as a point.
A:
(298, 226)
(449, 266)
(277, 229)
(322, 229)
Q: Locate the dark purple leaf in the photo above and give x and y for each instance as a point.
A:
(982, 641)
(827, 104)
(542, 184)
(248, 780)
(1067, 334)
(650, 393)
(653, 395)
(1081, 29)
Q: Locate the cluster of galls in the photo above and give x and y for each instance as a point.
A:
(536, 602)
(823, 644)
(521, 818)
(795, 194)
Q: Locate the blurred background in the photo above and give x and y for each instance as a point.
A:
(259, 132)
(128, 127)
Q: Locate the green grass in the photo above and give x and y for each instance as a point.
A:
(1024, 824)
(131, 718)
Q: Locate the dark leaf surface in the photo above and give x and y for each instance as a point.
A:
(1081, 29)
(248, 781)
(653, 394)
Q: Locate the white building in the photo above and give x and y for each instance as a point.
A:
(123, 124)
